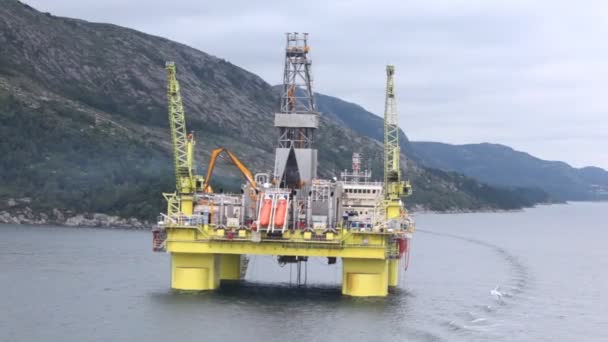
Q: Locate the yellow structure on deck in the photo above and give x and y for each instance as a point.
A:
(187, 183)
(394, 187)
(359, 221)
(202, 256)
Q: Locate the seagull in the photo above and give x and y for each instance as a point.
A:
(497, 293)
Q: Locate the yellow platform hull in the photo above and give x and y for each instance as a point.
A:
(202, 257)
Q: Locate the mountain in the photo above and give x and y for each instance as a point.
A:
(358, 119)
(504, 166)
(84, 127)
(493, 164)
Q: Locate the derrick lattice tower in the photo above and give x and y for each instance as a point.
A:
(392, 172)
(394, 187)
(186, 182)
(297, 120)
(179, 135)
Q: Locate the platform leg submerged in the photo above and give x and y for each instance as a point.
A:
(365, 277)
(195, 272)
(393, 272)
(230, 267)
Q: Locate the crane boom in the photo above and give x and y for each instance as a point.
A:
(392, 171)
(394, 187)
(186, 182)
(244, 170)
(183, 143)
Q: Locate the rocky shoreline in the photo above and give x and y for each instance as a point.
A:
(18, 211)
(422, 210)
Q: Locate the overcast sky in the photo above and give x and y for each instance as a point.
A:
(529, 74)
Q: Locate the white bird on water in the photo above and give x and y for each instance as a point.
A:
(497, 293)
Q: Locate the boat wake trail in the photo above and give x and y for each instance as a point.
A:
(499, 296)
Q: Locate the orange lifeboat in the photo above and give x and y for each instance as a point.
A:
(279, 216)
(265, 212)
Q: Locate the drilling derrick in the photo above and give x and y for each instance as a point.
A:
(296, 160)
(394, 187)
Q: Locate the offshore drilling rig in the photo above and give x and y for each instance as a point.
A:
(291, 214)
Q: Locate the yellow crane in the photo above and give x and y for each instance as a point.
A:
(394, 187)
(186, 182)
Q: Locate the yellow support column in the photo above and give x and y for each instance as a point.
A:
(230, 267)
(393, 272)
(187, 205)
(364, 277)
(195, 272)
(393, 209)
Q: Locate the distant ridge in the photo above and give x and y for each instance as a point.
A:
(504, 166)
(84, 124)
(489, 163)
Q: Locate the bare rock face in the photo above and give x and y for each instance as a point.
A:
(120, 72)
(105, 221)
(5, 217)
(58, 215)
(28, 216)
(76, 221)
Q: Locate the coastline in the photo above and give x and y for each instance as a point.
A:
(468, 211)
(19, 213)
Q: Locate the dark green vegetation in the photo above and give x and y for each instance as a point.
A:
(63, 160)
(84, 127)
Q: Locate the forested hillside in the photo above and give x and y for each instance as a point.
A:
(84, 127)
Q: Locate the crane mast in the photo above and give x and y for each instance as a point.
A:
(186, 182)
(392, 172)
(394, 187)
